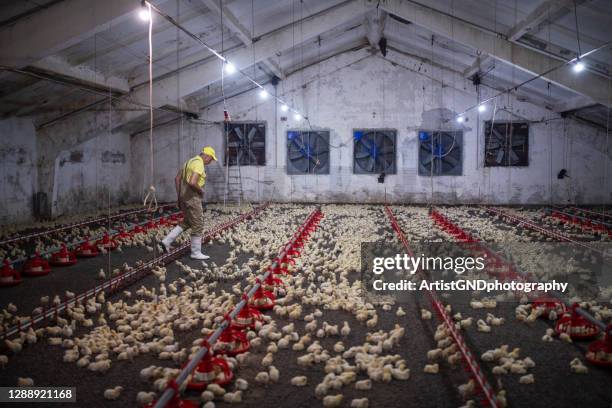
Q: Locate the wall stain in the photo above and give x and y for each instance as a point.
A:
(116, 156)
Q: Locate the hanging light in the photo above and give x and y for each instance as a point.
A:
(297, 116)
(284, 107)
(263, 94)
(579, 66)
(144, 14)
(229, 68)
(482, 107)
(460, 119)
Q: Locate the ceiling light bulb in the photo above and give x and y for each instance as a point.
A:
(460, 119)
(284, 108)
(482, 108)
(297, 116)
(263, 94)
(144, 14)
(229, 68)
(579, 66)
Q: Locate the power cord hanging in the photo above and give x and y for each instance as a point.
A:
(150, 200)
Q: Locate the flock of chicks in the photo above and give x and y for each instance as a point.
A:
(154, 321)
(416, 223)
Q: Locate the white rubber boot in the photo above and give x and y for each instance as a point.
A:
(169, 239)
(196, 249)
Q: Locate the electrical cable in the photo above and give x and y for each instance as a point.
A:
(150, 199)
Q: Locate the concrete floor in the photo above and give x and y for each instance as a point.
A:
(555, 384)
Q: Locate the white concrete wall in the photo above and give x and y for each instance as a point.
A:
(355, 90)
(17, 170)
(90, 175)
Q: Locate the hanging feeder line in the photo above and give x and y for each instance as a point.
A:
(94, 238)
(289, 250)
(557, 298)
(129, 277)
(467, 356)
(579, 221)
(216, 54)
(523, 221)
(75, 225)
(590, 212)
(592, 216)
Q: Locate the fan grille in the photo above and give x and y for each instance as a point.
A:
(246, 143)
(506, 144)
(307, 152)
(374, 151)
(440, 153)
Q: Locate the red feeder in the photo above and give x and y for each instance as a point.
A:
(600, 351)
(272, 283)
(549, 305)
(174, 219)
(247, 317)
(210, 370)
(87, 250)
(232, 342)
(163, 221)
(8, 275)
(150, 225)
(263, 299)
(138, 230)
(576, 326)
(63, 257)
(107, 243)
(122, 235)
(36, 266)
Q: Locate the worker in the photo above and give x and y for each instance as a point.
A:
(189, 184)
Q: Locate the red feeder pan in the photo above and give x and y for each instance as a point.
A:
(210, 370)
(87, 250)
(8, 275)
(272, 284)
(150, 225)
(174, 219)
(177, 402)
(36, 266)
(232, 342)
(63, 257)
(549, 305)
(107, 243)
(576, 326)
(138, 230)
(263, 299)
(600, 351)
(246, 318)
(122, 234)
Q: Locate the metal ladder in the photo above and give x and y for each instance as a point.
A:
(233, 185)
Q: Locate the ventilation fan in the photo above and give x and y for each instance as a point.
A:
(307, 152)
(246, 143)
(374, 151)
(506, 144)
(440, 153)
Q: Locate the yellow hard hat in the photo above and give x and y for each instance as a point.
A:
(210, 152)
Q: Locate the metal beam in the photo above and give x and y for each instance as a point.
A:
(80, 74)
(544, 11)
(58, 27)
(481, 64)
(275, 68)
(585, 83)
(240, 30)
(229, 20)
(573, 104)
(198, 76)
